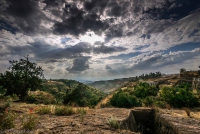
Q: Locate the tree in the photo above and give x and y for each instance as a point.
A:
(21, 77)
(182, 70)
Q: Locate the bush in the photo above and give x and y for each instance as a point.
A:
(39, 97)
(81, 111)
(148, 101)
(122, 99)
(8, 98)
(14, 97)
(113, 122)
(142, 90)
(7, 119)
(180, 96)
(64, 110)
(161, 104)
(29, 122)
(44, 110)
(2, 90)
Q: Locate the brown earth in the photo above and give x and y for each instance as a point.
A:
(96, 121)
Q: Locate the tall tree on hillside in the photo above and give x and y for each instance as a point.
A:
(21, 77)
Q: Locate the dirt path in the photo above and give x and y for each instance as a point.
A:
(104, 101)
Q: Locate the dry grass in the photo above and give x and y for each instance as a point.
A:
(185, 112)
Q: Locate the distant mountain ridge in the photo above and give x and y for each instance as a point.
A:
(108, 86)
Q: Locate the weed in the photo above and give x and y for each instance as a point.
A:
(14, 97)
(8, 98)
(44, 110)
(29, 121)
(112, 122)
(63, 110)
(81, 111)
(7, 119)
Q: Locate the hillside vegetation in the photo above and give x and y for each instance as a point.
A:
(71, 92)
(163, 93)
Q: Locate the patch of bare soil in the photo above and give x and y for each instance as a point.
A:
(95, 121)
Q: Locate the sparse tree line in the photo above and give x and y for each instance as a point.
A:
(147, 76)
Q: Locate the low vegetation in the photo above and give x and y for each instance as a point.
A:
(83, 95)
(44, 110)
(64, 110)
(142, 94)
(113, 122)
(7, 119)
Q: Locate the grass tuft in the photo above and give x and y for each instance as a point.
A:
(112, 122)
(44, 110)
(7, 119)
(64, 110)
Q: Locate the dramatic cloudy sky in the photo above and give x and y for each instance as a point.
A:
(101, 39)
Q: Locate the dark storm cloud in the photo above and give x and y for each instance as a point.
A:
(108, 49)
(79, 65)
(78, 49)
(7, 27)
(96, 5)
(35, 48)
(27, 16)
(71, 52)
(79, 22)
(24, 15)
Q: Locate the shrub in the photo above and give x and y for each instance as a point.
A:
(8, 98)
(81, 111)
(29, 121)
(113, 122)
(44, 110)
(180, 96)
(142, 90)
(40, 97)
(2, 90)
(161, 104)
(122, 99)
(7, 119)
(64, 110)
(148, 101)
(14, 97)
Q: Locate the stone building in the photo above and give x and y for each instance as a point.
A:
(196, 85)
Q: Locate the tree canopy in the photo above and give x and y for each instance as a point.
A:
(21, 77)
